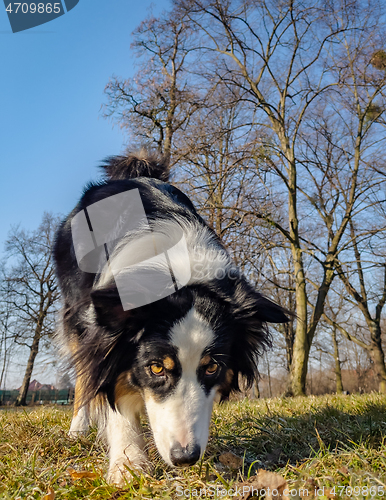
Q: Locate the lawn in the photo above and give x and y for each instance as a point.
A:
(315, 447)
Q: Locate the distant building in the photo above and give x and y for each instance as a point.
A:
(37, 386)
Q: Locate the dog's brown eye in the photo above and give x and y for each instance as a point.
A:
(211, 369)
(157, 369)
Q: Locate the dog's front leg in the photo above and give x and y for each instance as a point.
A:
(80, 422)
(125, 441)
(81, 417)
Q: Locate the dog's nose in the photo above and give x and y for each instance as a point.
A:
(185, 456)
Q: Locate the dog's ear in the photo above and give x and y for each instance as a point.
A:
(108, 307)
(268, 311)
(250, 303)
(251, 313)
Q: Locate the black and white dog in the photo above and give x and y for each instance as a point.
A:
(156, 317)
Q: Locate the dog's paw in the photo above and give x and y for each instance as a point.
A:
(76, 434)
(120, 472)
(80, 424)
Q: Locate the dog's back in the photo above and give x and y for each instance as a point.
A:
(145, 172)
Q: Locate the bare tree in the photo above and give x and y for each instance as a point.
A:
(275, 52)
(6, 323)
(32, 290)
(362, 288)
(336, 312)
(158, 101)
(355, 147)
(215, 166)
(267, 110)
(285, 57)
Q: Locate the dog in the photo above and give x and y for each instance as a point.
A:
(156, 316)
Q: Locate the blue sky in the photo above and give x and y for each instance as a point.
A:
(52, 134)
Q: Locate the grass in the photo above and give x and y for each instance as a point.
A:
(315, 442)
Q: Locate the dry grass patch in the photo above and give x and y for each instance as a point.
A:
(314, 442)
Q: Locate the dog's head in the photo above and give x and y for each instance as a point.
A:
(180, 354)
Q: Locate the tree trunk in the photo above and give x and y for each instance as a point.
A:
(22, 397)
(378, 356)
(338, 370)
(269, 375)
(301, 348)
(289, 337)
(5, 363)
(298, 374)
(255, 390)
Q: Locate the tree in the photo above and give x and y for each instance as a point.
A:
(283, 57)
(32, 290)
(158, 101)
(359, 138)
(366, 293)
(6, 324)
(275, 146)
(335, 310)
(214, 167)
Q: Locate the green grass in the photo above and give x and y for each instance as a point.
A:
(316, 441)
